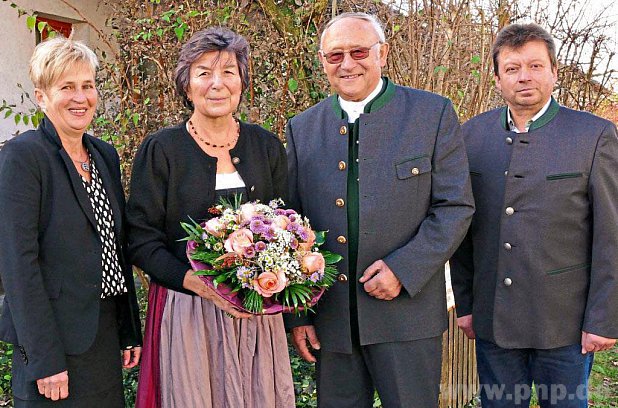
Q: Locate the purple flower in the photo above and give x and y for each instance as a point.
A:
(280, 211)
(269, 234)
(315, 277)
(256, 226)
(249, 251)
(293, 227)
(260, 246)
(290, 212)
(302, 233)
(292, 217)
(294, 243)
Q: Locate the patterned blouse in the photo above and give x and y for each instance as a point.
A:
(113, 279)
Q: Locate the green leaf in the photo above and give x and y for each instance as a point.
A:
(135, 118)
(41, 26)
(330, 257)
(320, 237)
(292, 85)
(31, 22)
(17, 118)
(396, 28)
(8, 113)
(475, 59)
(180, 32)
(26, 120)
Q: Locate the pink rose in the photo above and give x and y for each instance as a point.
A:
(306, 246)
(282, 221)
(238, 241)
(313, 262)
(269, 283)
(247, 211)
(214, 227)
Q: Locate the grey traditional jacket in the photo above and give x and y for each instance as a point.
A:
(540, 261)
(415, 205)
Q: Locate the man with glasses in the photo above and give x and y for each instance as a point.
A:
(383, 168)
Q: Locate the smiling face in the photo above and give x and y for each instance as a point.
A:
(526, 77)
(215, 84)
(70, 102)
(353, 79)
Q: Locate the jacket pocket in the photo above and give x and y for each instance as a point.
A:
(413, 167)
(561, 176)
(568, 269)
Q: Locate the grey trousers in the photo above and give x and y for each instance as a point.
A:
(405, 374)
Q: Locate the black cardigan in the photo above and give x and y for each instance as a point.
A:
(174, 179)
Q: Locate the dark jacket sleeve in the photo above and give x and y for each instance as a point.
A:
(601, 316)
(279, 172)
(462, 277)
(146, 213)
(448, 216)
(30, 307)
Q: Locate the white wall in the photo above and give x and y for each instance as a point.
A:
(18, 44)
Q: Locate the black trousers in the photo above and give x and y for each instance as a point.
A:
(95, 377)
(405, 374)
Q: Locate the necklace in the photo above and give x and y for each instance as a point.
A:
(85, 165)
(229, 144)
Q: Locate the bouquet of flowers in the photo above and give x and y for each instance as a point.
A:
(263, 259)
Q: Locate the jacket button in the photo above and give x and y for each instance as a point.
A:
(235, 160)
(339, 202)
(342, 278)
(343, 130)
(509, 140)
(342, 165)
(509, 211)
(341, 239)
(252, 188)
(508, 281)
(507, 246)
(415, 171)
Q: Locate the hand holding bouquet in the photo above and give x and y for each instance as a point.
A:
(262, 258)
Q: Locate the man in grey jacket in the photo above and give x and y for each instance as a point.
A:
(383, 169)
(536, 280)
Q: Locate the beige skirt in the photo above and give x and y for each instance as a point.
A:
(209, 360)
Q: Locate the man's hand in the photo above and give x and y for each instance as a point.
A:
(300, 336)
(465, 324)
(380, 282)
(193, 283)
(130, 358)
(592, 343)
(54, 387)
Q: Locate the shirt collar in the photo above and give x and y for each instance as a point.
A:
(511, 123)
(354, 109)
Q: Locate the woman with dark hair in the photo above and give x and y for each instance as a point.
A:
(195, 354)
(70, 307)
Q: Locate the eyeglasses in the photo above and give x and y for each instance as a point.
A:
(360, 53)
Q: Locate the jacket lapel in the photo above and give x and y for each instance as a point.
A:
(76, 182)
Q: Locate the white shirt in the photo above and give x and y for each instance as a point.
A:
(228, 180)
(354, 109)
(511, 123)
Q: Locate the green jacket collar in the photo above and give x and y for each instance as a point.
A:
(385, 95)
(547, 117)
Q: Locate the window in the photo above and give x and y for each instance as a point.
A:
(60, 27)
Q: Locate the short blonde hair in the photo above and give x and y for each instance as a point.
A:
(54, 57)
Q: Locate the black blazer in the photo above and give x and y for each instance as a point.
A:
(50, 251)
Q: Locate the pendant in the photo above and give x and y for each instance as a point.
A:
(85, 166)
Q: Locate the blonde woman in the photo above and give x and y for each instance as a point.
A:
(70, 307)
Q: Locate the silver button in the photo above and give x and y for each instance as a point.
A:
(508, 281)
(357, 142)
(235, 160)
(509, 140)
(507, 246)
(252, 188)
(509, 211)
(357, 160)
(506, 172)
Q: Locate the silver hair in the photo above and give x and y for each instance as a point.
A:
(370, 18)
